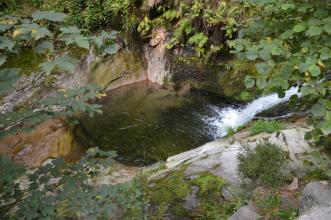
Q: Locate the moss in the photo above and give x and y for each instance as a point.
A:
(172, 187)
(170, 190)
(167, 196)
(208, 184)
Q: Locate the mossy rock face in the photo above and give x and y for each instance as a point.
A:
(191, 69)
(123, 68)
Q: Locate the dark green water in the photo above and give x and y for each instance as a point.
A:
(145, 124)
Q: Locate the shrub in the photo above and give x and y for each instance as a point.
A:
(262, 164)
(269, 127)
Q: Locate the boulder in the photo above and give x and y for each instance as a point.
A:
(244, 213)
(315, 194)
(319, 212)
(50, 139)
(220, 157)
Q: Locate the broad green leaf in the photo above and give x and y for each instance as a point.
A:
(44, 46)
(327, 28)
(287, 34)
(48, 15)
(249, 82)
(6, 43)
(83, 43)
(47, 66)
(66, 63)
(307, 90)
(314, 31)
(317, 110)
(70, 30)
(252, 54)
(40, 33)
(287, 6)
(7, 78)
(303, 67)
(314, 70)
(326, 127)
(299, 27)
(276, 51)
(325, 53)
(263, 68)
(4, 27)
(261, 83)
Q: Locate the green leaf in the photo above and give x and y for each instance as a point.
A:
(314, 70)
(299, 27)
(4, 27)
(262, 68)
(317, 110)
(303, 67)
(66, 63)
(70, 30)
(287, 34)
(261, 83)
(7, 78)
(249, 82)
(40, 33)
(325, 53)
(47, 66)
(327, 28)
(314, 31)
(276, 51)
(5, 42)
(287, 6)
(306, 90)
(326, 127)
(44, 46)
(252, 54)
(48, 15)
(83, 43)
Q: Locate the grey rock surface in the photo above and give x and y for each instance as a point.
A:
(244, 213)
(191, 200)
(315, 194)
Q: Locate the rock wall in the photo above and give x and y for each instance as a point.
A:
(158, 70)
(123, 68)
(48, 140)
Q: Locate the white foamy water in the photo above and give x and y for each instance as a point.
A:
(225, 118)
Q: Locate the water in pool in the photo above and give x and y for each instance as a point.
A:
(145, 124)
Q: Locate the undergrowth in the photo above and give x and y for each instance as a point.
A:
(262, 164)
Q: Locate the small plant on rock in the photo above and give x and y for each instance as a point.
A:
(269, 127)
(262, 164)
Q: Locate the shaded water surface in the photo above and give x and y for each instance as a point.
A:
(145, 124)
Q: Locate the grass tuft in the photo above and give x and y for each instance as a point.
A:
(269, 127)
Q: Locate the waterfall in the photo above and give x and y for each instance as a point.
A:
(225, 118)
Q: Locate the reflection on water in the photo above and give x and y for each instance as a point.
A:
(145, 124)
